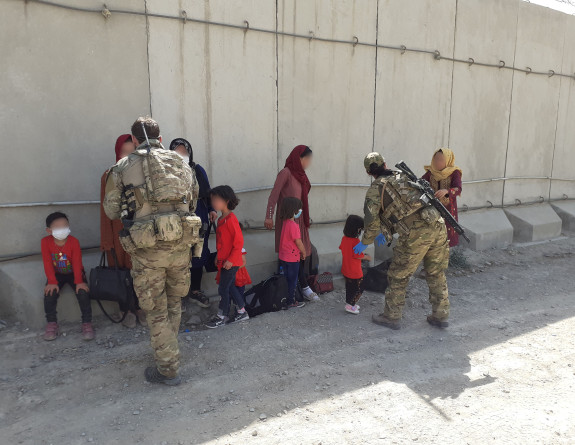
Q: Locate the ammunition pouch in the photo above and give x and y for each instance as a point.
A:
(430, 215)
(168, 227)
(193, 234)
(143, 234)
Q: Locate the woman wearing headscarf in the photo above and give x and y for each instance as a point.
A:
(207, 214)
(445, 179)
(292, 181)
(110, 239)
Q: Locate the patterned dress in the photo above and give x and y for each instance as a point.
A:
(453, 184)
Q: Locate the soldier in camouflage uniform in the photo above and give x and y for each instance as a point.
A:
(393, 206)
(154, 193)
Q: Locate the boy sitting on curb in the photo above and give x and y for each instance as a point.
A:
(62, 259)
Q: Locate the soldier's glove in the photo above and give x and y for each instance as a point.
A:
(359, 248)
(380, 240)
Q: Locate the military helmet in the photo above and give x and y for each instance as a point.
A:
(373, 158)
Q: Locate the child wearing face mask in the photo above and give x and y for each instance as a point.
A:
(62, 259)
(291, 248)
(351, 263)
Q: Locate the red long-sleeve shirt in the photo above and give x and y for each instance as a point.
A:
(229, 240)
(351, 261)
(64, 259)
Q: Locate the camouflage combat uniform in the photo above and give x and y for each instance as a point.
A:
(158, 238)
(422, 237)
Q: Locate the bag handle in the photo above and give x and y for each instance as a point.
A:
(115, 258)
(108, 315)
(103, 259)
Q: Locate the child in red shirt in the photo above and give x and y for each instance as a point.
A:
(62, 259)
(291, 248)
(351, 263)
(229, 242)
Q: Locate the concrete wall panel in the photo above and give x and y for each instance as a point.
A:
(540, 31)
(564, 157)
(482, 96)
(76, 80)
(326, 94)
(216, 87)
(70, 84)
(413, 90)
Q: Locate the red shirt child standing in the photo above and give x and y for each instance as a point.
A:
(351, 263)
(229, 242)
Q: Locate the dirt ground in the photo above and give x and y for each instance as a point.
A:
(502, 373)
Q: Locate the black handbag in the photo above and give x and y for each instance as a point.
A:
(111, 284)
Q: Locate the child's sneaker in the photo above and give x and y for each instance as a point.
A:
(296, 304)
(51, 332)
(243, 316)
(352, 309)
(216, 322)
(87, 331)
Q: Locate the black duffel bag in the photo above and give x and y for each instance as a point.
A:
(375, 278)
(111, 284)
(268, 296)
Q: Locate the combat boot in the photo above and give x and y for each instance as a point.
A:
(154, 376)
(382, 320)
(436, 322)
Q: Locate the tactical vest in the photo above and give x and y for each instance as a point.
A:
(402, 204)
(158, 190)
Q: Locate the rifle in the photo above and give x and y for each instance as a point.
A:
(428, 197)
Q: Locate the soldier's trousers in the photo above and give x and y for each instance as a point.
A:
(161, 279)
(427, 243)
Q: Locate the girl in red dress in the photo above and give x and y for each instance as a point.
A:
(445, 179)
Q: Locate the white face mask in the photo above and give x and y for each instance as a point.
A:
(61, 234)
(185, 158)
(298, 214)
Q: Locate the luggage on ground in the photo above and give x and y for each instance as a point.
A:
(375, 278)
(268, 296)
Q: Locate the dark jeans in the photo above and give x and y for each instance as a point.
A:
(51, 301)
(353, 290)
(196, 274)
(228, 290)
(291, 272)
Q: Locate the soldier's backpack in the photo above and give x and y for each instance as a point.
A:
(167, 178)
(401, 204)
(268, 296)
(375, 278)
(158, 192)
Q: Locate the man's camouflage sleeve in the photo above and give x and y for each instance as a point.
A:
(372, 222)
(113, 195)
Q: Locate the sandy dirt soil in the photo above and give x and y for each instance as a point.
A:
(502, 373)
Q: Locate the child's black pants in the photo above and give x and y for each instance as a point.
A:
(353, 290)
(51, 301)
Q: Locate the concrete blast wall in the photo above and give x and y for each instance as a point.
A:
(72, 81)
